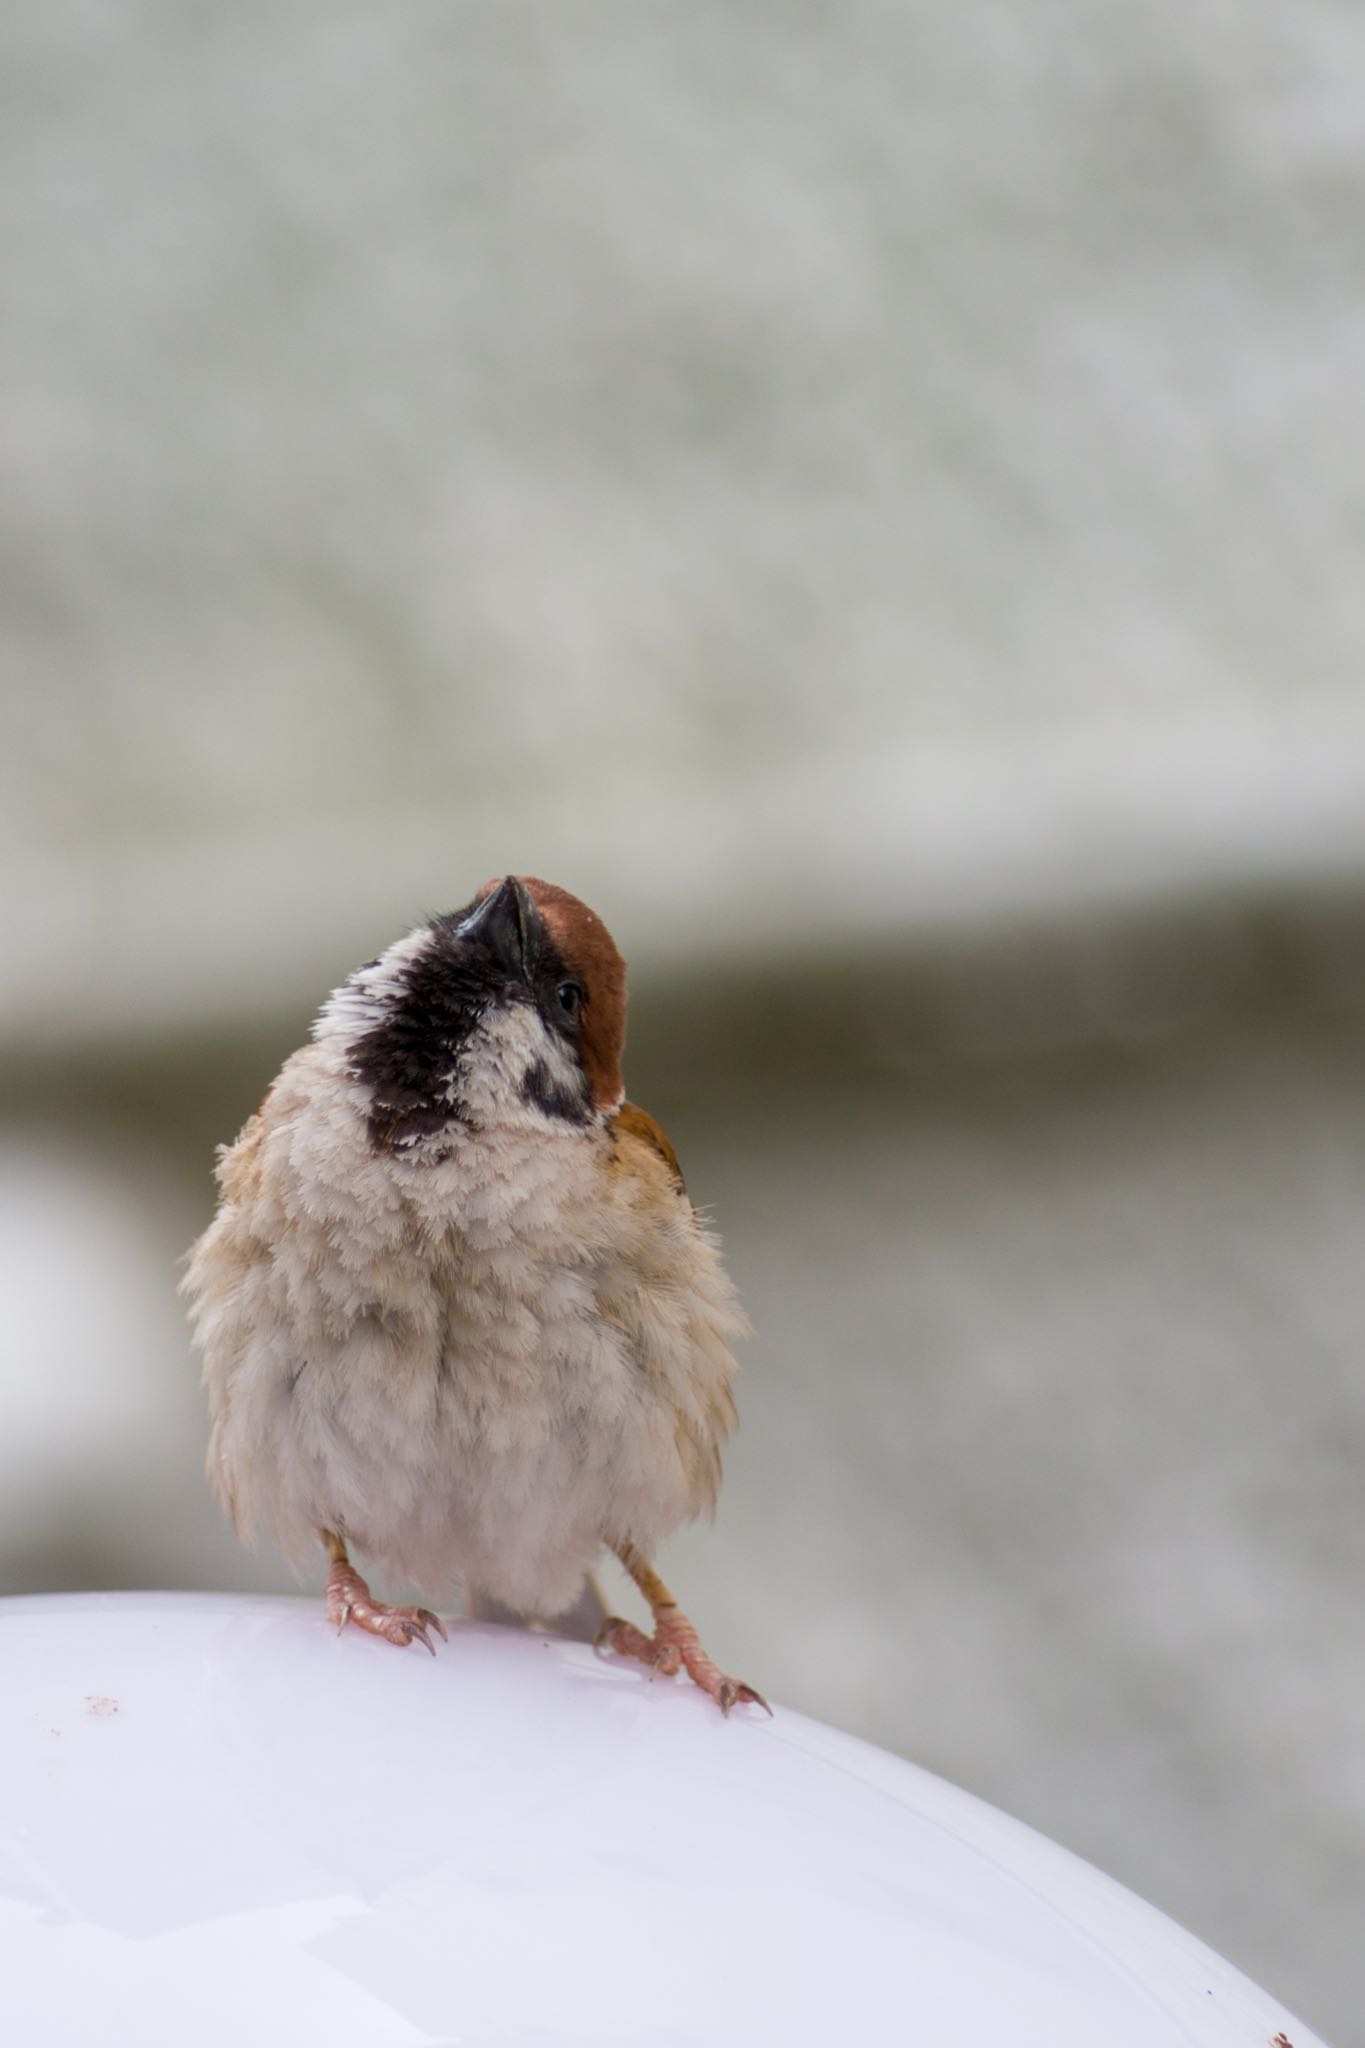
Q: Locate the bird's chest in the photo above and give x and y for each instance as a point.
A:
(509, 1416)
(497, 1331)
(492, 1366)
(523, 1353)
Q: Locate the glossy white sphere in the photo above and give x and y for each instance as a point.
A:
(221, 1825)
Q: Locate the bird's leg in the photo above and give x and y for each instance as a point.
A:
(349, 1599)
(674, 1646)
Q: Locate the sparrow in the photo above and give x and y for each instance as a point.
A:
(455, 1308)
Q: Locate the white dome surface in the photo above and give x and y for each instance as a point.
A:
(223, 1824)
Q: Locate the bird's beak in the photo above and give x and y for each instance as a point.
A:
(507, 922)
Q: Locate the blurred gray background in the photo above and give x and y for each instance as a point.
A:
(872, 499)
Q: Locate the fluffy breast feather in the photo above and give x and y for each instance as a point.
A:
(480, 1367)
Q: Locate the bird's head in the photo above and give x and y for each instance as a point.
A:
(511, 1010)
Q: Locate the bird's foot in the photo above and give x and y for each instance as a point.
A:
(674, 1647)
(349, 1599)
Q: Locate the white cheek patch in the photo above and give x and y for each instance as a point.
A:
(511, 1059)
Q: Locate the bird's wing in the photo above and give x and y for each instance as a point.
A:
(633, 1128)
(689, 1354)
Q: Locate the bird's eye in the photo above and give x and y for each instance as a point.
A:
(569, 996)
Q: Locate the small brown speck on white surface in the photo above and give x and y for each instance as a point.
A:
(97, 1704)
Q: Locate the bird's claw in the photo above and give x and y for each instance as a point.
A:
(348, 1599)
(734, 1693)
(674, 1647)
(625, 1639)
(404, 1625)
(404, 1629)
